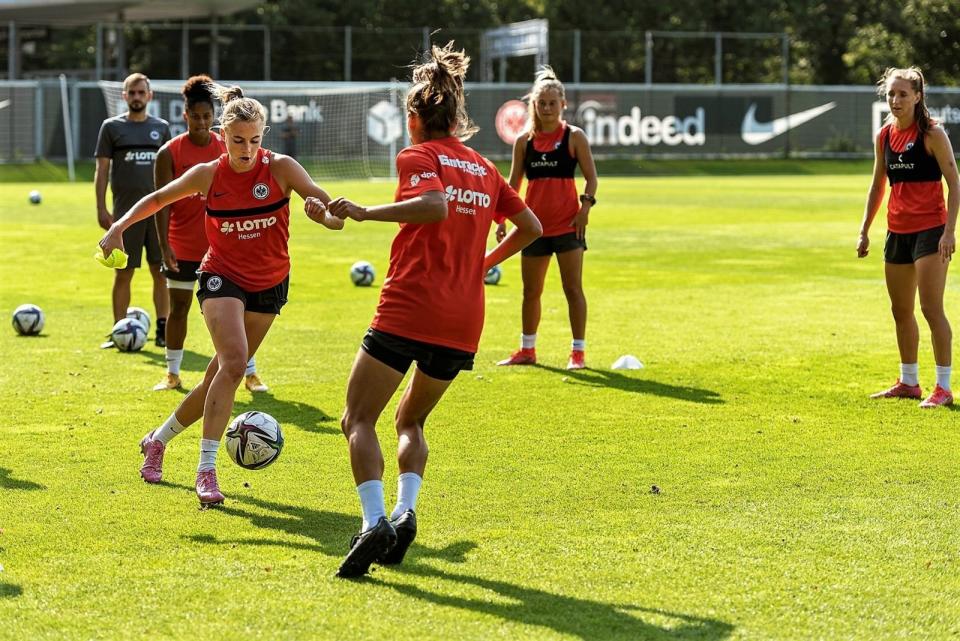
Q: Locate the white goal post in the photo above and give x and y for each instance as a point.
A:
(335, 130)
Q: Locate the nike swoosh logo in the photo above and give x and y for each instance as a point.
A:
(4, 104)
(755, 133)
(222, 193)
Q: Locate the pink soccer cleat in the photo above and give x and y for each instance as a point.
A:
(900, 390)
(523, 356)
(152, 450)
(577, 360)
(208, 491)
(938, 398)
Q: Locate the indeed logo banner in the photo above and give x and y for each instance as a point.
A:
(634, 129)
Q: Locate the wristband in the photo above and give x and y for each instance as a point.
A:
(587, 198)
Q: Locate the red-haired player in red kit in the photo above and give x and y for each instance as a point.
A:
(181, 226)
(431, 304)
(248, 214)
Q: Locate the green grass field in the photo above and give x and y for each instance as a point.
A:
(790, 505)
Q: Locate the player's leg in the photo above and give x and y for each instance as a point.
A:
(901, 281)
(180, 295)
(230, 329)
(931, 281)
(533, 271)
(376, 374)
(422, 394)
(571, 275)
(122, 280)
(161, 302)
(251, 378)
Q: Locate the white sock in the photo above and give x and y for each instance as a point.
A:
(910, 373)
(528, 341)
(579, 344)
(408, 487)
(943, 376)
(208, 454)
(170, 428)
(251, 366)
(371, 502)
(174, 358)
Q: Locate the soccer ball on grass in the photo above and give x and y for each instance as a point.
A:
(254, 440)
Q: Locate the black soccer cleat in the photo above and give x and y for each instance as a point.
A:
(406, 527)
(367, 547)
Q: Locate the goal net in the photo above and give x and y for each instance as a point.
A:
(335, 130)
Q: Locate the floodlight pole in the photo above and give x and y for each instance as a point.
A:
(718, 58)
(99, 54)
(347, 47)
(266, 52)
(185, 50)
(576, 55)
(648, 59)
(214, 47)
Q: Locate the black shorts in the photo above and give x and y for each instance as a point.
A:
(397, 352)
(186, 271)
(544, 246)
(138, 236)
(905, 249)
(268, 301)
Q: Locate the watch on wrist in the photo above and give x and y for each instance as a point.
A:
(587, 198)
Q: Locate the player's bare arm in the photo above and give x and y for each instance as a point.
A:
(162, 175)
(428, 207)
(100, 179)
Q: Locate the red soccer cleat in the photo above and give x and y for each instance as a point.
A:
(939, 397)
(523, 356)
(152, 450)
(576, 360)
(900, 390)
(208, 491)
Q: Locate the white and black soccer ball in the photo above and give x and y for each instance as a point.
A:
(361, 273)
(35, 197)
(129, 335)
(254, 440)
(141, 315)
(28, 320)
(492, 277)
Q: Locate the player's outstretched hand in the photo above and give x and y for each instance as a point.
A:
(318, 213)
(343, 208)
(863, 246)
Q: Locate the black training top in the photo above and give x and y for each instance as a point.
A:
(551, 164)
(913, 165)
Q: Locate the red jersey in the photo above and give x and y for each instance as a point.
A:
(549, 166)
(433, 291)
(248, 224)
(916, 188)
(186, 233)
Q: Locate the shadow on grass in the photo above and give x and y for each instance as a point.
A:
(329, 532)
(563, 614)
(192, 361)
(8, 483)
(306, 417)
(10, 591)
(615, 380)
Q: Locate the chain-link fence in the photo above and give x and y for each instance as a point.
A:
(108, 51)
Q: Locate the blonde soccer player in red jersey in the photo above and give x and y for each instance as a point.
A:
(914, 153)
(181, 227)
(548, 154)
(431, 305)
(247, 192)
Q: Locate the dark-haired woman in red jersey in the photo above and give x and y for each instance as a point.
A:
(914, 154)
(247, 214)
(431, 304)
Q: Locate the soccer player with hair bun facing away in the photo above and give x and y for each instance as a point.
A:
(548, 154)
(914, 153)
(247, 192)
(181, 227)
(431, 305)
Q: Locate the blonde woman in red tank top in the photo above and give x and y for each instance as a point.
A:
(248, 188)
(180, 227)
(914, 154)
(548, 154)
